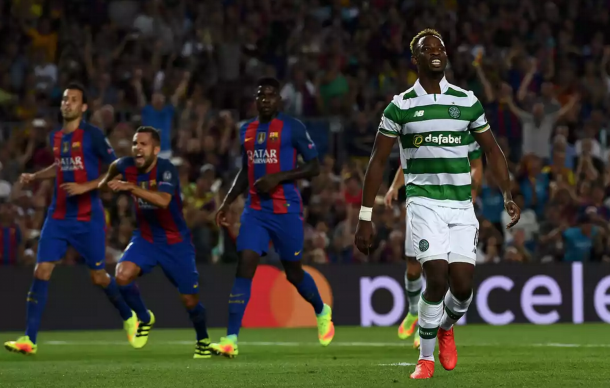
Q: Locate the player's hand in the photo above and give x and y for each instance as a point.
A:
(513, 211)
(364, 236)
(266, 184)
(391, 195)
(74, 188)
(117, 185)
(221, 216)
(26, 179)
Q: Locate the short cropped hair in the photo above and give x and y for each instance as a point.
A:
(78, 86)
(421, 34)
(153, 132)
(269, 81)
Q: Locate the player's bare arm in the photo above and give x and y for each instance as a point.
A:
(159, 199)
(476, 174)
(372, 180)
(397, 183)
(499, 167)
(73, 188)
(46, 173)
(269, 182)
(113, 172)
(239, 186)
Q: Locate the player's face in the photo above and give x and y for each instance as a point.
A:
(144, 150)
(431, 55)
(267, 100)
(72, 106)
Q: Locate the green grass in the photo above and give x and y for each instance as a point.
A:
(509, 356)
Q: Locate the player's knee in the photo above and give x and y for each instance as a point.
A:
(124, 278)
(189, 301)
(462, 291)
(43, 271)
(414, 269)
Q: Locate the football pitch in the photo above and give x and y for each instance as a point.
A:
(507, 356)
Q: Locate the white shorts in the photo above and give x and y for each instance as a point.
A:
(437, 232)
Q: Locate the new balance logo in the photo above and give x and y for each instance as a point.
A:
(419, 113)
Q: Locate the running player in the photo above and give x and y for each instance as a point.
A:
(273, 212)
(162, 237)
(413, 280)
(432, 121)
(76, 215)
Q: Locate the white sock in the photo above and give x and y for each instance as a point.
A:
(454, 310)
(413, 288)
(429, 319)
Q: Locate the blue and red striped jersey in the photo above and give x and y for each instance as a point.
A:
(272, 147)
(79, 157)
(157, 225)
(10, 239)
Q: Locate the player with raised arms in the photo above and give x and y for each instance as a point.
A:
(161, 238)
(413, 278)
(432, 121)
(273, 211)
(75, 217)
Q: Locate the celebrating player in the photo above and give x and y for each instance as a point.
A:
(75, 217)
(432, 121)
(162, 237)
(413, 280)
(273, 211)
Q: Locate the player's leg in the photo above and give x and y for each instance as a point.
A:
(463, 241)
(51, 248)
(89, 240)
(252, 243)
(287, 236)
(178, 264)
(139, 257)
(413, 288)
(431, 244)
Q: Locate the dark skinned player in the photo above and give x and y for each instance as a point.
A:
(433, 121)
(273, 210)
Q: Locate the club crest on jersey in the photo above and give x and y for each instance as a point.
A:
(260, 138)
(454, 112)
(65, 147)
(273, 136)
(76, 145)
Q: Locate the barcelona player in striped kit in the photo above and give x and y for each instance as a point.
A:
(273, 211)
(162, 237)
(76, 215)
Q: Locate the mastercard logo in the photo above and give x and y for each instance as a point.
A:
(275, 302)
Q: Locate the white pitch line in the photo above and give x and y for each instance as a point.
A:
(397, 364)
(340, 344)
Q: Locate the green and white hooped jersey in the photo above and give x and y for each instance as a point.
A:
(434, 131)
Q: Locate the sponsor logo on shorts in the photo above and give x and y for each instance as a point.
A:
(424, 245)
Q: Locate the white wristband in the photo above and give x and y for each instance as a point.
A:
(366, 213)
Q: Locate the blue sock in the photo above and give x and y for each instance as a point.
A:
(114, 295)
(309, 291)
(131, 294)
(198, 317)
(238, 301)
(36, 300)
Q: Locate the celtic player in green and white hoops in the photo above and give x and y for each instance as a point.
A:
(432, 121)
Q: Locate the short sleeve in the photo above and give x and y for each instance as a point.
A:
(392, 119)
(101, 146)
(51, 137)
(121, 164)
(302, 141)
(478, 123)
(18, 236)
(167, 179)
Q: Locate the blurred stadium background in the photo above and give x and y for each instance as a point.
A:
(188, 67)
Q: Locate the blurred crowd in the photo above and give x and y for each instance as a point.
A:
(188, 68)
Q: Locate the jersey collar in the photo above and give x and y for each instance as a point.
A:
(420, 91)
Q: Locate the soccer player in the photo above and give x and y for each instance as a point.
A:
(413, 280)
(76, 215)
(432, 121)
(273, 211)
(162, 237)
